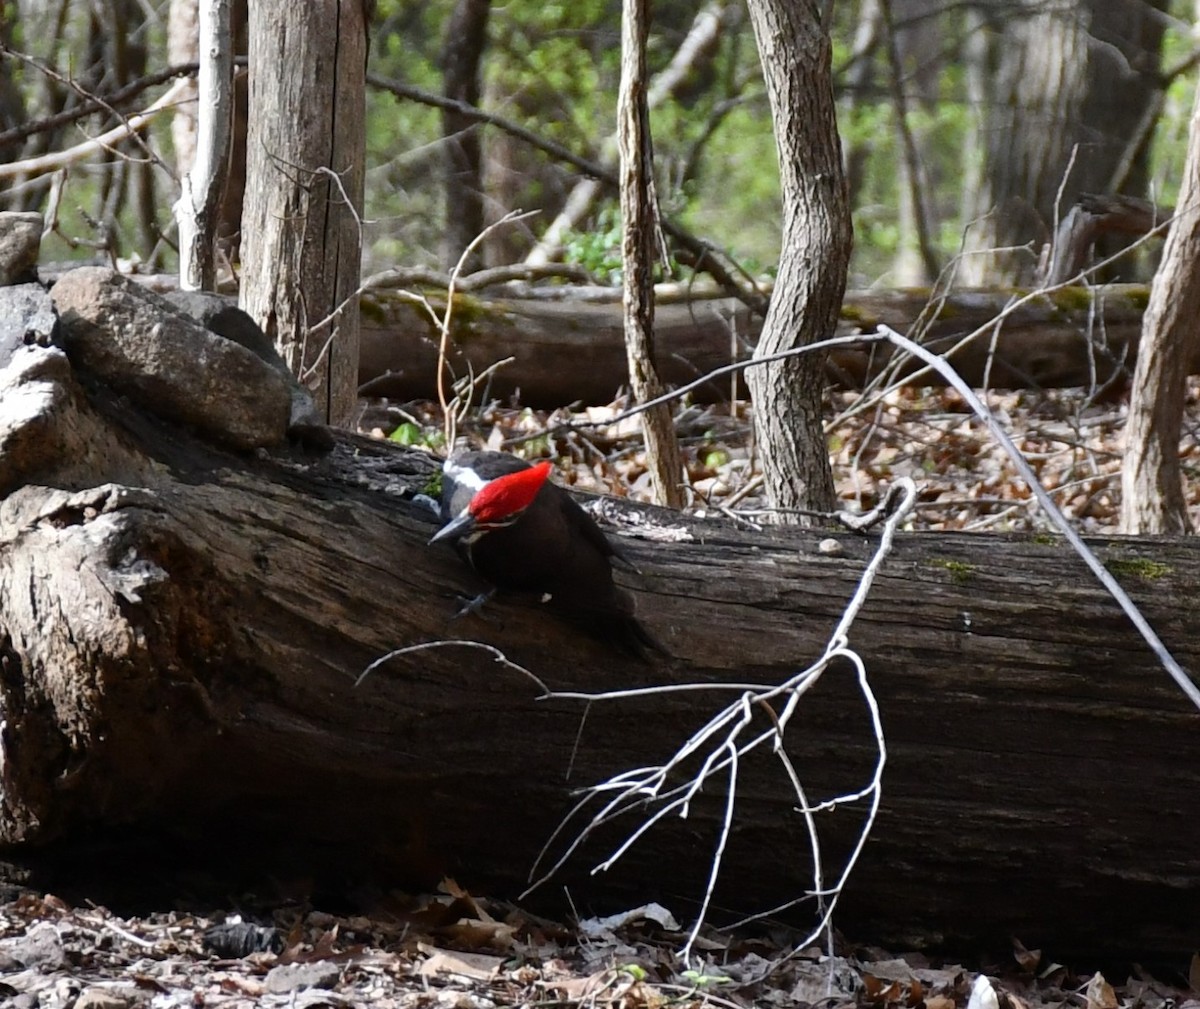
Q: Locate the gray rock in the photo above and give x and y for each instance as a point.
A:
(215, 313)
(26, 317)
(41, 946)
(20, 243)
(147, 349)
(97, 997)
(218, 315)
(294, 976)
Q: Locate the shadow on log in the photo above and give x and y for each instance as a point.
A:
(182, 626)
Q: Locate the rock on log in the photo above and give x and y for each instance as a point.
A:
(181, 629)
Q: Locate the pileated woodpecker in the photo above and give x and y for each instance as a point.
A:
(524, 534)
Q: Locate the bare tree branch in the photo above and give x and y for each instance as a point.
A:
(706, 257)
(91, 104)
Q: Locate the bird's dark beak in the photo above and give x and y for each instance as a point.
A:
(458, 527)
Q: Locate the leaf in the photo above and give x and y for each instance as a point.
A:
(407, 434)
(983, 995)
(474, 934)
(476, 966)
(1027, 959)
(700, 980)
(651, 912)
(1099, 993)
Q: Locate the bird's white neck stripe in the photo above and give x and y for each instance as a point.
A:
(463, 475)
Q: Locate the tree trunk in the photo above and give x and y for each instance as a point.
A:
(795, 53)
(639, 220)
(301, 237)
(916, 263)
(199, 204)
(1034, 115)
(181, 629)
(229, 229)
(858, 82)
(1073, 81)
(12, 98)
(183, 46)
(182, 39)
(462, 56)
(1151, 480)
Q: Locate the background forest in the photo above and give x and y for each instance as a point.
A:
(965, 127)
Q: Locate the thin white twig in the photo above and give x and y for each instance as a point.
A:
(449, 416)
(1182, 680)
(718, 855)
(495, 652)
(721, 744)
(62, 159)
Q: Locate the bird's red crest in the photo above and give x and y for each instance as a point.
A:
(507, 495)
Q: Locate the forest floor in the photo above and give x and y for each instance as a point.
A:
(452, 951)
(965, 479)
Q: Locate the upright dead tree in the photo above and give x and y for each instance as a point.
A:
(462, 53)
(639, 218)
(796, 60)
(301, 229)
(199, 204)
(1064, 92)
(1151, 482)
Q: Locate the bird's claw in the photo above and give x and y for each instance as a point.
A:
(475, 606)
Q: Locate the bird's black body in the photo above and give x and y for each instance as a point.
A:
(551, 547)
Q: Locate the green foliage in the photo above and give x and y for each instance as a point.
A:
(554, 67)
(412, 434)
(598, 250)
(701, 980)
(960, 571)
(403, 199)
(433, 486)
(1137, 567)
(1169, 150)
(734, 199)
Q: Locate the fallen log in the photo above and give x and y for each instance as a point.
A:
(568, 350)
(182, 627)
(566, 345)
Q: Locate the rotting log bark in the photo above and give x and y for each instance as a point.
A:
(181, 629)
(571, 350)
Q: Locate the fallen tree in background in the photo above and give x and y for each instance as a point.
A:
(569, 348)
(564, 345)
